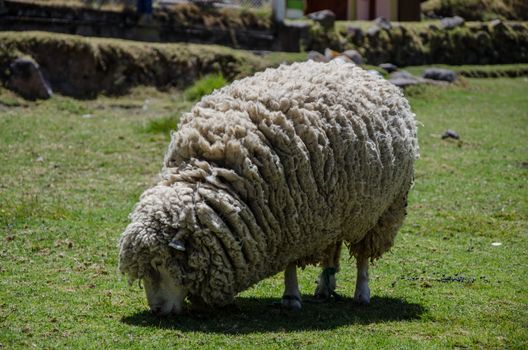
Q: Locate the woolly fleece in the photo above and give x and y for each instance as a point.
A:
(273, 169)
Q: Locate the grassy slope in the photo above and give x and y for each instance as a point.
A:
(61, 215)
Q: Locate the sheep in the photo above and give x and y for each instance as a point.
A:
(271, 173)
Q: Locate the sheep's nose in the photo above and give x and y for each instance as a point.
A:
(155, 310)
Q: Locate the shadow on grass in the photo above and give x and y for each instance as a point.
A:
(249, 315)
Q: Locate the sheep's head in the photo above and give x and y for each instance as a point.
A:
(165, 294)
(158, 265)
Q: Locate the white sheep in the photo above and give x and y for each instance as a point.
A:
(269, 173)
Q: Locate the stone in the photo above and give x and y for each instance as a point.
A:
(402, 82)
(383, 23)
(433, 27)
(388, 67)
(402, 74)
(404, 79)
(375, 73)
(325, 18)
(26, 79)
(317, 57)
(342, 59)
(330, 54)
(355, 32)
(451, 22)
(450, 134)
(354, 56)
(440, 74)
(373, 31)
(497, 24)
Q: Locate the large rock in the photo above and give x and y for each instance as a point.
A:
(317, 57)
(26, 79)
(440, 74)
(383, 23)
(404, 79)
(355, 32)
(331, 54)
(451, 22)
(325, 17)
(375, 73)
(450, 134)
(388, 67)
(354, 56)
(402, 74)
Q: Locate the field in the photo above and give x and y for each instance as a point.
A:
(71, 171)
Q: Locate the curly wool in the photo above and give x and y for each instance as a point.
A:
(274, 169)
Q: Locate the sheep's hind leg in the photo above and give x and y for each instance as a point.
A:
(326, 282)
(291, 299)
(376, 242)
(362, 293)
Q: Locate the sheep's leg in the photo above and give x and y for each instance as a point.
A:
(326, 282)
(376, 242)
(291, 299)
(362, 294)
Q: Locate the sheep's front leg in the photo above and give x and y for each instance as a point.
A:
(362, 294)
(291, 299)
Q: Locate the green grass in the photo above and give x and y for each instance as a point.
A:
(68, 182)
(484, 71)
(205, 86)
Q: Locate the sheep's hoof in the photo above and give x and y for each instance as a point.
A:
(291, 302)
(362, 296)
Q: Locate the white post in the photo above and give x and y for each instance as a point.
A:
(279, 10)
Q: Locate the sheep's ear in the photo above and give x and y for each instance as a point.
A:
(177, 244)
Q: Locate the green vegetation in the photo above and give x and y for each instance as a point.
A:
(108, 5)
(69, 180)
(479, 71)
(426, 43)
(205, 86)
(114, 66)
(181, 14)
(478, 10)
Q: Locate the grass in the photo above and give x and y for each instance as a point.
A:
(205, 86)
(68, 182)
(479, 71)
(109, 5)
(477, 9)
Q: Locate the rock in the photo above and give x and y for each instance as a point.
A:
(450, 134)
(373, 31)
(342, 59)
(497, 24)
(518, 27)
(331, 54)
(383, 23)
(404, 78)
(388, 67)
(355, 32)
(451, 22)
(26, 79)
(375, 73)
(325, 17)
(317, 57)
(354, 56)
(402, 74)
(440, 74)
(433, 27)
(403, 82)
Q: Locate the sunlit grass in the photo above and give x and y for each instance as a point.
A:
(68, 183)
